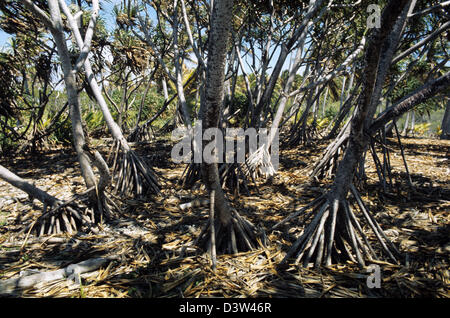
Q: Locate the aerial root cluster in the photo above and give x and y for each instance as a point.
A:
(302, 135)
(335, 235)
(240, 235)
(191, 175)
(60, 219)
(235, 175)
(140, 133)
(73, 215)
(133, 176)
(232, 176)
(259, 164)
(327, 166)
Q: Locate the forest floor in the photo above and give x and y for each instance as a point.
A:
(152, 241)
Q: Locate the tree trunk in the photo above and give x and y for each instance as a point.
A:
(313, 7)
(341, 103)
(335, 226)
(350, 84)
(30, 189)
(164, 87)
(445, 126)
(324, 104)
(378, 58)
(232, 232)
(72, 94)
(178, 70)
(405, 125)
(214, 93)
(124, 99)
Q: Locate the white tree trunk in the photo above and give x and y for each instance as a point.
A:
(27, 187)
(405, 125)
(342, 93)
(214, 93)
(445, 126)
(72, 94)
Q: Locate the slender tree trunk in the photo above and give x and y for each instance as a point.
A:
(341, 104)
(350, 84)
(23, 185)
(315, 106)
(178, 70)
(324, 104)
(445, 126)
(72, 94)
(164, 87)
(214, 93)
(141, 105)
(290, 81)
(405, 125)
(124, 100)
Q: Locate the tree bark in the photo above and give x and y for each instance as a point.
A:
(341, 103)
(27, 187)
(378, 56)
(178, 70)
(324, 104)
(214, 93)
(313, 7)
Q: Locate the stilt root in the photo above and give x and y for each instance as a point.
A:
(73, 215)
(335, 235)
(133, 177)
(240, 235)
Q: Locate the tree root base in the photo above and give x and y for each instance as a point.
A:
(231, 176)
(134, 177)
(240, 235)
(302, 136)
(72, 216)
(335, 235)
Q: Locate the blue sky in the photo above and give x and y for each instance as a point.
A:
(3, 39)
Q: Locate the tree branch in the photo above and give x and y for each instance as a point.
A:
(428, 90)
(42, 15)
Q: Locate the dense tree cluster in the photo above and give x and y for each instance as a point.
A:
(317, 70)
